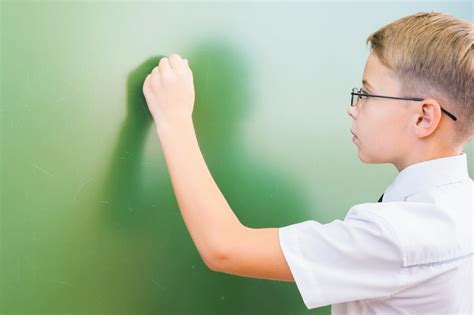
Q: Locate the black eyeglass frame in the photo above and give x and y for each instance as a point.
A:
(393, 97)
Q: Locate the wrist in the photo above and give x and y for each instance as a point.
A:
(169, 126)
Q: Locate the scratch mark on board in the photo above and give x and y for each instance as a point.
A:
(42, 170)
(157, 284)
(80, 188)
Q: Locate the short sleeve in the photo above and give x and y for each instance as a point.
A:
(341, 261)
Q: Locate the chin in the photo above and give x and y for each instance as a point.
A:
(369, 159)
(364, 158)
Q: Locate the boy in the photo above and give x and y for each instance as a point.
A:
(412, 251)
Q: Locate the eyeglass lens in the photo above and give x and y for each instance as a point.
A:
(354, 98)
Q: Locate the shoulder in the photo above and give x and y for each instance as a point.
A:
(426, 232)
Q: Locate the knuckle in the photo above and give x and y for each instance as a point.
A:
(154, 83)
(163, 61)
(181, 72)
(167, 77)
(174, 55)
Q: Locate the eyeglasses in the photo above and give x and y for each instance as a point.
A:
(357, 95)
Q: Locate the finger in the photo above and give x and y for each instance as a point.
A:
(146, 82)
(186, 63)
(154, 76)
(155, 80)
(164, 65)
(176, 62)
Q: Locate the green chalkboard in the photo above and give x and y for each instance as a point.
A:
(89, 223)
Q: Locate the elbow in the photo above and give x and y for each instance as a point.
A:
(212, 265)
(222, 255)
(215, 261)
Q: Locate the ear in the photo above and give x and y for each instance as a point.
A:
(428, 117)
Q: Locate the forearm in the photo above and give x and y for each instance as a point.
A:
(212, 224)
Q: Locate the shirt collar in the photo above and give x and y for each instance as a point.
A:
(423, 175)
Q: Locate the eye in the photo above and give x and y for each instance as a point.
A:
(363, 92)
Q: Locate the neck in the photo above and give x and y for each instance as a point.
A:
(425, 153)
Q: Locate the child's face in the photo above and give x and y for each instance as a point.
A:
(381, 125)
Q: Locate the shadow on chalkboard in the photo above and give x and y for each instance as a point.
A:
(260, 194)
(122, 187)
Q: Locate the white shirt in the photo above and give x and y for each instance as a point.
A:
(412, 253)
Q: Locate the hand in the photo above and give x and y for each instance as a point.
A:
(169, 90)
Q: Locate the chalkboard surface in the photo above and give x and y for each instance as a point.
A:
(89, 223)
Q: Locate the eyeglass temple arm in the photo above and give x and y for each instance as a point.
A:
(404, 98)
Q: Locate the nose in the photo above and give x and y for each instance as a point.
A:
(351, 111)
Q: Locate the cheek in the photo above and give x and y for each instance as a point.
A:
(379, 143)
(382, 134)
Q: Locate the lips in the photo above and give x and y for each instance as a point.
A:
(352, 132)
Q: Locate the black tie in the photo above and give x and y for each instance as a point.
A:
(380, 199)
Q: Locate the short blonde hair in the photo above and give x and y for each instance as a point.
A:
(431, 54)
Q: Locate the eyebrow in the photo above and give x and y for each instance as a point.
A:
(367, 83)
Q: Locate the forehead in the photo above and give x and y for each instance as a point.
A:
(378, 75)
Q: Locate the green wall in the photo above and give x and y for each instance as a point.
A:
(89, 223)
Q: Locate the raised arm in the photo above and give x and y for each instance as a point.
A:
(223, 242)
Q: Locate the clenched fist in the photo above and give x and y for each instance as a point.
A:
(169, 90)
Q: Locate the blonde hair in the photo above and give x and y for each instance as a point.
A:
(431, 54)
